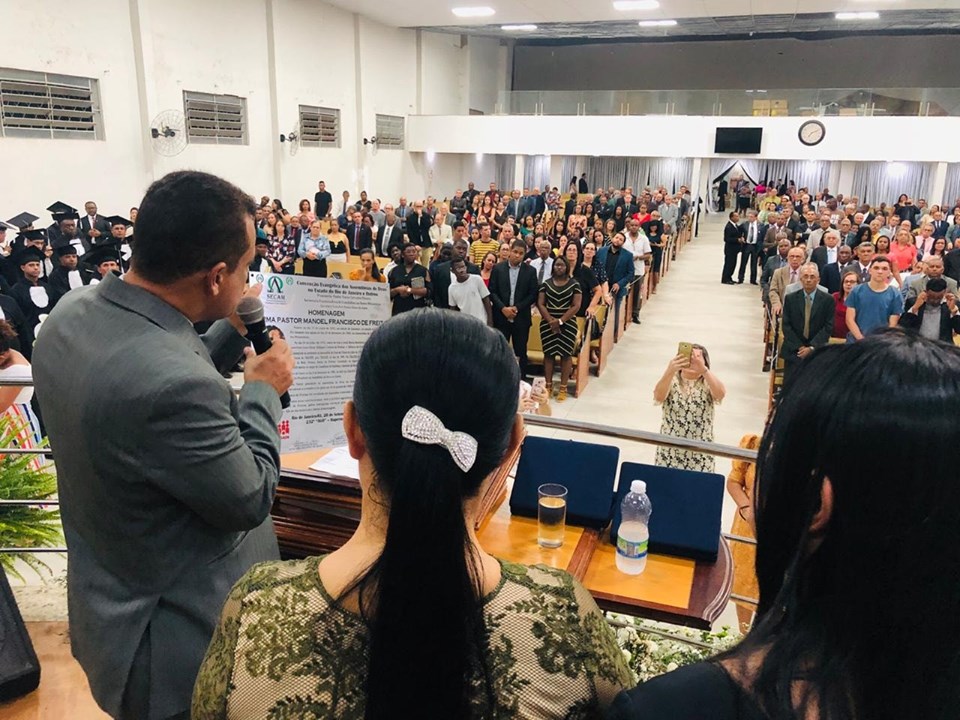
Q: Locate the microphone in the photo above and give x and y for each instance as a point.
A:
(250, 312)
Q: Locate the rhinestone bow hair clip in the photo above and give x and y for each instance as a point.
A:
(422, 426)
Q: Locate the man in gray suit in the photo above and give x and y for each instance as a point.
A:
(166, 479)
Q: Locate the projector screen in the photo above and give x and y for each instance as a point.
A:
(743, 141)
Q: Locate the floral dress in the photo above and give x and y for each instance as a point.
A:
(687, 413)
(285, 649)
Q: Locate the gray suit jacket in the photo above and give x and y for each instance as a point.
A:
(165, 479)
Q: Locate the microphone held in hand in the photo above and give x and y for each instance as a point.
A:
(250, 312)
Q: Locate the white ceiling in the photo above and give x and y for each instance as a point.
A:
(437, 13)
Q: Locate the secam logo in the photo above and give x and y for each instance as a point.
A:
(275, 284)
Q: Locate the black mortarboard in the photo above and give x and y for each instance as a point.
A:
(39, 234)
(7, 226)
(262, 240)
(29, 254)
(119, 220)
(62, 211)
(102, 254)
(22, 220)
(66, 249)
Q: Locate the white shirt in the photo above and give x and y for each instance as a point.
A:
(831, 255)
(753, 233)
(468, 296)
(638, 248)
(547, 264)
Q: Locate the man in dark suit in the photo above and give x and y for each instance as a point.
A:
(174, 505)
(940, 226)
(752, 231)
(358, 234)
(951, 264)
(390, 233)
(93, 227)
(828, 252)
(582, 187)
(931, 302)
(773, 264)
(831, 277)
(418, 231)
(570, 205)
(440, 275)
(516, 205)
(808, 315)
(513, 291)
(732, 240)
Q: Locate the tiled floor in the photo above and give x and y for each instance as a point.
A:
(691, 305)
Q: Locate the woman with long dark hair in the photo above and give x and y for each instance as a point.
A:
(857, 550)
(411, 618)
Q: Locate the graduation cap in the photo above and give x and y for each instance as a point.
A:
(4, 226)
(40, 234)
(262, 240)
(29, 254)
(62, 211)
(65, 249)
(118, 220)
(22, 220)
(102, 254)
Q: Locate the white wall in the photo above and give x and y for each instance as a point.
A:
(147, 52)
(930, 139)
(227, 65)
(38, 172)
(485, 73)
(320, 74)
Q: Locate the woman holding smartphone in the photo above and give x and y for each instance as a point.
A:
(688, 392)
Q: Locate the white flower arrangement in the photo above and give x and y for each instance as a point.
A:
(652, 648)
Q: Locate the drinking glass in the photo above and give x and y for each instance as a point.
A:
(551, 515)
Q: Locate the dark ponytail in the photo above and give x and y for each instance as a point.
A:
(421, 597)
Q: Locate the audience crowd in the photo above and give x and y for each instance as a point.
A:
(609, 239)
(860, 267)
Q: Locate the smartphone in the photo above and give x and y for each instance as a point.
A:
(685, 349)
(539, 386)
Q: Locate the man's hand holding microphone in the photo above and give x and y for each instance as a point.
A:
(267, 361)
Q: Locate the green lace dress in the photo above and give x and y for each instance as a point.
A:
(284, 649)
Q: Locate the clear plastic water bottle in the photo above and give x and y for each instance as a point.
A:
(633, 534)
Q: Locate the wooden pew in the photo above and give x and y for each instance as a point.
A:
(604, 344)
(581, 357)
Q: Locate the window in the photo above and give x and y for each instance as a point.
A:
(319, 127)
(215, 119)
(390, 131)
(42, 105)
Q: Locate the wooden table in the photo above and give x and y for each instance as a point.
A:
(314, 514)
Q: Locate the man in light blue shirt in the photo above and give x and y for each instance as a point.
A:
(873, 304)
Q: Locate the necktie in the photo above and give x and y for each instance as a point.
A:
(356, 238)
(793, 276)
(806, 316)
(753, 233)
(543, 267)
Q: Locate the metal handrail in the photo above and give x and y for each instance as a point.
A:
(644, 436)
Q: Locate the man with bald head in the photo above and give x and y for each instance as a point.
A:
(808, 315)
(932, 268)
(787, 275)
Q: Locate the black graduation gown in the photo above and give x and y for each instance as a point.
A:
(12, 313)
(60, 280)
(32, 309)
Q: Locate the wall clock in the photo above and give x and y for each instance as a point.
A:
(812, 132)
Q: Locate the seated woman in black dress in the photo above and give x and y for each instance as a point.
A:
(858, 550)
(411, 618)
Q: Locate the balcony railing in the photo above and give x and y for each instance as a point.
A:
(814, 102)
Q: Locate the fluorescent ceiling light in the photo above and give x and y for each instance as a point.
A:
(469, 12)
(625, 5)
(871, 15)
(518, 28)
(657, 23)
